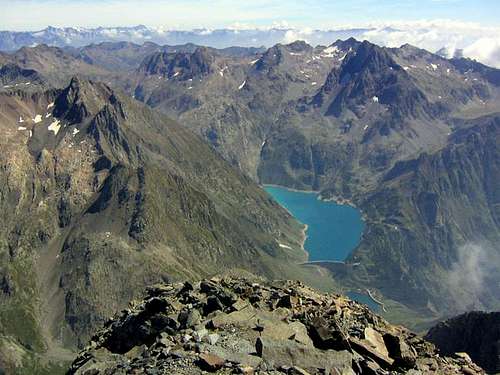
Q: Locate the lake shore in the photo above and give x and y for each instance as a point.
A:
(290, 189)
(305, 226)
(380, 303)
(304, 239)
(334, 199)
(330, 229)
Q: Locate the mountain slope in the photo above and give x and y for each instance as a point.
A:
(443, 211)
(55, 65)
(476, 333)
(102, 196)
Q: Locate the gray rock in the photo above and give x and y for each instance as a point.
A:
(200, 334)
(189, 319)
(212, 339)
(404, 355)
(283, 353)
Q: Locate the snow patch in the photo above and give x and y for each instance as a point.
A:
(375, 99)
(329, 51)
(176, 74)
(221, 72)
(254, 61)
(47, 115)
(242, 85)
(50, 105)
(434, 66)
(21, 120)
(54, 127)
(284, 246)
(314, 83)
(21, 128)
(366, 127)
(75, 131)
(37, 119)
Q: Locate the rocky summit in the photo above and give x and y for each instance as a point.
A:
(242, 326)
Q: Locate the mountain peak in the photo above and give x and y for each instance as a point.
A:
(299, 46)
(371, 56)
(344, 45)
(81, 98)
(183, 65)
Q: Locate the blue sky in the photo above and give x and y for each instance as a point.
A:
(188, 14)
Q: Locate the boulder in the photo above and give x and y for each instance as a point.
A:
(210, 362)
(367, 351)
(403, 354)
(282, 353)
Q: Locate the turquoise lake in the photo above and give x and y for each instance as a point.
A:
(364, 298)
(333, 231)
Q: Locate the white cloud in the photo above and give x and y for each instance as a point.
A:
(476, 41)
(473, 276)
(292, 35)
(486, 50)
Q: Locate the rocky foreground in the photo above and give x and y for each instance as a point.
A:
(239, 326)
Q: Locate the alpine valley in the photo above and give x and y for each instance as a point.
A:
(126, 165)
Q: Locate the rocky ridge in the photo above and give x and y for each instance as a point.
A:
(235, 325)
(475, 332)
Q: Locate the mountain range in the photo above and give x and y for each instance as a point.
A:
(449, 40)
(127, 164)
(219, 38)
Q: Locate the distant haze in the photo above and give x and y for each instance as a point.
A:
(452, 38)
(469, 25)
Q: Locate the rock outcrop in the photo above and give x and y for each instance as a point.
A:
(234, 325)
(475, 333)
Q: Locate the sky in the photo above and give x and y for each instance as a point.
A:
(188, 14)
